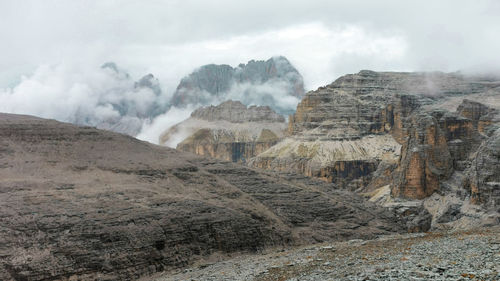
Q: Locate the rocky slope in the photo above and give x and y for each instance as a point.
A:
(80, 203)
(273, 82)
(473, 255)
(391, 133)
(229, 131)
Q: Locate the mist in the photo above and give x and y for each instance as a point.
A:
(53, 50)
(105, 97)
(152, 131)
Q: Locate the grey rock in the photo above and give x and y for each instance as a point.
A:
(213, 83)
(128, 208)
(483, 181)
(236, 112)
(453, 213)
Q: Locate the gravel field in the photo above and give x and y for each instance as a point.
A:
(473, 255)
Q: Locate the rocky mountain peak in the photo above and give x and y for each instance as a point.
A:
(149, 81)
(79, 203)
(257, 82)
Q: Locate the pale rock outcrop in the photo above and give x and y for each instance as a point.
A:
(230, 131)
(393, 110)
(483, 181)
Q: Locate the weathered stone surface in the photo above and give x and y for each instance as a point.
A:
(437, 255)
(461, 136)
(425, 159)
(80, 203)
(473, 110)
(483, 181)
(348, 163)
(413, 214)
(229, 131)
(344, 115)
(373, 102)
(236, 112)
(257, 82)
(390, 106)
(452, 213)
(228, 145)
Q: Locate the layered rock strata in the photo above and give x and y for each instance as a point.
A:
(230, 131)
(372, 129)
(425, 159)
(78, 203)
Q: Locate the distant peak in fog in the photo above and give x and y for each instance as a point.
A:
(274, 82)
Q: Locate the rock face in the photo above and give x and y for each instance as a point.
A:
(348, 163)
(80, 203)
(236, 112)
(425, 159)
(483, 181)
(230, 131)
(373, 129)
(364, 111)
(257, 82)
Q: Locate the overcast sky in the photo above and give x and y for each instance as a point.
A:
(323, 39)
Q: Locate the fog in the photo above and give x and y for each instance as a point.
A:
(52, 50)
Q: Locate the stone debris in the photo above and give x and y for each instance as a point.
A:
(470, 255)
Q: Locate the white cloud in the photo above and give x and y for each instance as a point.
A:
(81, 94)
(57, 46)
(313, 48)
(151, 131)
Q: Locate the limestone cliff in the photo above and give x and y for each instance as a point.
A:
(230, 131)
(483, 181)
(425, 159)
(372, 129)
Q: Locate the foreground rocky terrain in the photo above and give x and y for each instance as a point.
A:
(81, 203)
(370, 155)
(230, 131)
(473, 255)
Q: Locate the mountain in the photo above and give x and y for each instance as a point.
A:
(393, 134)
(274, 82)
(78, 203)
(132, 103)
(230, 131)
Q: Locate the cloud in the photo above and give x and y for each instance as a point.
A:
(273, 93)
(152, 131)
(52, 49)
(323, 38)
(313, 48)
(95, 96)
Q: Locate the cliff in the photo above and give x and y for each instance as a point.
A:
(230, 131)
(78, 203)
(397, 138)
